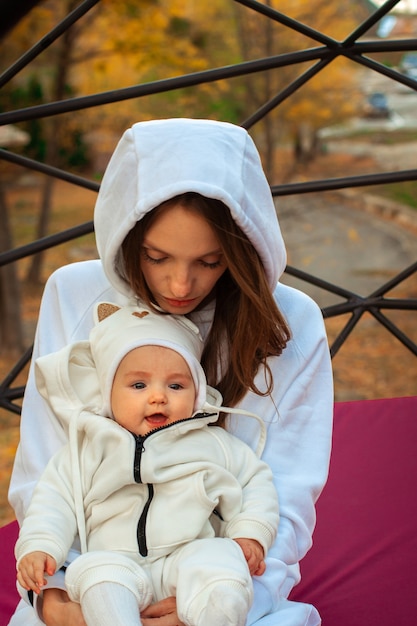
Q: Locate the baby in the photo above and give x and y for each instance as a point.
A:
(163, 501)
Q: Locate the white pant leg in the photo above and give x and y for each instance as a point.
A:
(204, 569)
(287, 613)
(92, 568)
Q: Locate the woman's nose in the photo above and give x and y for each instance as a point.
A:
(181, 282)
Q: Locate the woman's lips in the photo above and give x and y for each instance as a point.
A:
(180, 303)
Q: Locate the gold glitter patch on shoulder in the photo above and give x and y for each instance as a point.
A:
(105, 309)
(140, 314)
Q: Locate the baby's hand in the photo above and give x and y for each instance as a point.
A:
(254, 555)
(31, 569)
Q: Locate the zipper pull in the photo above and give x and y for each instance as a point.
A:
(140, 448)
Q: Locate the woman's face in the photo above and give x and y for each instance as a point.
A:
(181, 259)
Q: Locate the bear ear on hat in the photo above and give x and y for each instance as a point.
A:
(105, 309)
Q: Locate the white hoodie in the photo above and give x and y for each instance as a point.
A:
(153, 162)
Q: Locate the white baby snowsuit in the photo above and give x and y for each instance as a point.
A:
(146, 497)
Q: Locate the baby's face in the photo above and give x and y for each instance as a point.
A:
(152, 387)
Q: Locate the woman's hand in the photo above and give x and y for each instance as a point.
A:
(58, 610)
(163, 613)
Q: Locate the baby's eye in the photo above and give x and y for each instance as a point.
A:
(175, 386)
(138, 385)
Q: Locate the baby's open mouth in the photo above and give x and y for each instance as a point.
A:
(156, 419)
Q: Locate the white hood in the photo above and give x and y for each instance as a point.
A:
(155, 161)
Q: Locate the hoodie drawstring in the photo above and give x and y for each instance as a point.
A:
(76, 481)
(262, 436)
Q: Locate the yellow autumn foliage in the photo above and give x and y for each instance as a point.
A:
(121, 43)
(323, 98)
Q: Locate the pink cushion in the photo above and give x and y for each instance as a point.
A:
(8, 593)
(362, 568)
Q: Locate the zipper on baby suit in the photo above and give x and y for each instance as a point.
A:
(141, 529)
(139, 450)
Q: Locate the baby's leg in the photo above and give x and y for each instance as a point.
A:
(110, 604)
(112, 589)
(213, 583)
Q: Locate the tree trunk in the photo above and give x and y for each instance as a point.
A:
(34, 273)
(255, 42)
(305, 143)
(52, 147)
(11, 330)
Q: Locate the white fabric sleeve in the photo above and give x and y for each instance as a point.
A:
(259, 514)
(50, 523)
(66, 315)
(298, 441)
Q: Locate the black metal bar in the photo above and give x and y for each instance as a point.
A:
(161, 86)
(399, 278)
(394, 330)
(50, 170)
(9, 406)
(291, 23)
(277, 190)
(15, 371)
(345, 182)
(397, 304)
(386, 71)
(285, 93)
(6, 392)
(344, 333)
(14, 393)
(320, 282)
(378, 45)
(196, 78)
(47, 40)
(367, 303)
(45, 243)
(350, 306)
(370, 21)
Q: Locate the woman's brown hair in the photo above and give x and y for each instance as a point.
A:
(247, 326)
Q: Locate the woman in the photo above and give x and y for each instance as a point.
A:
(185, 221)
